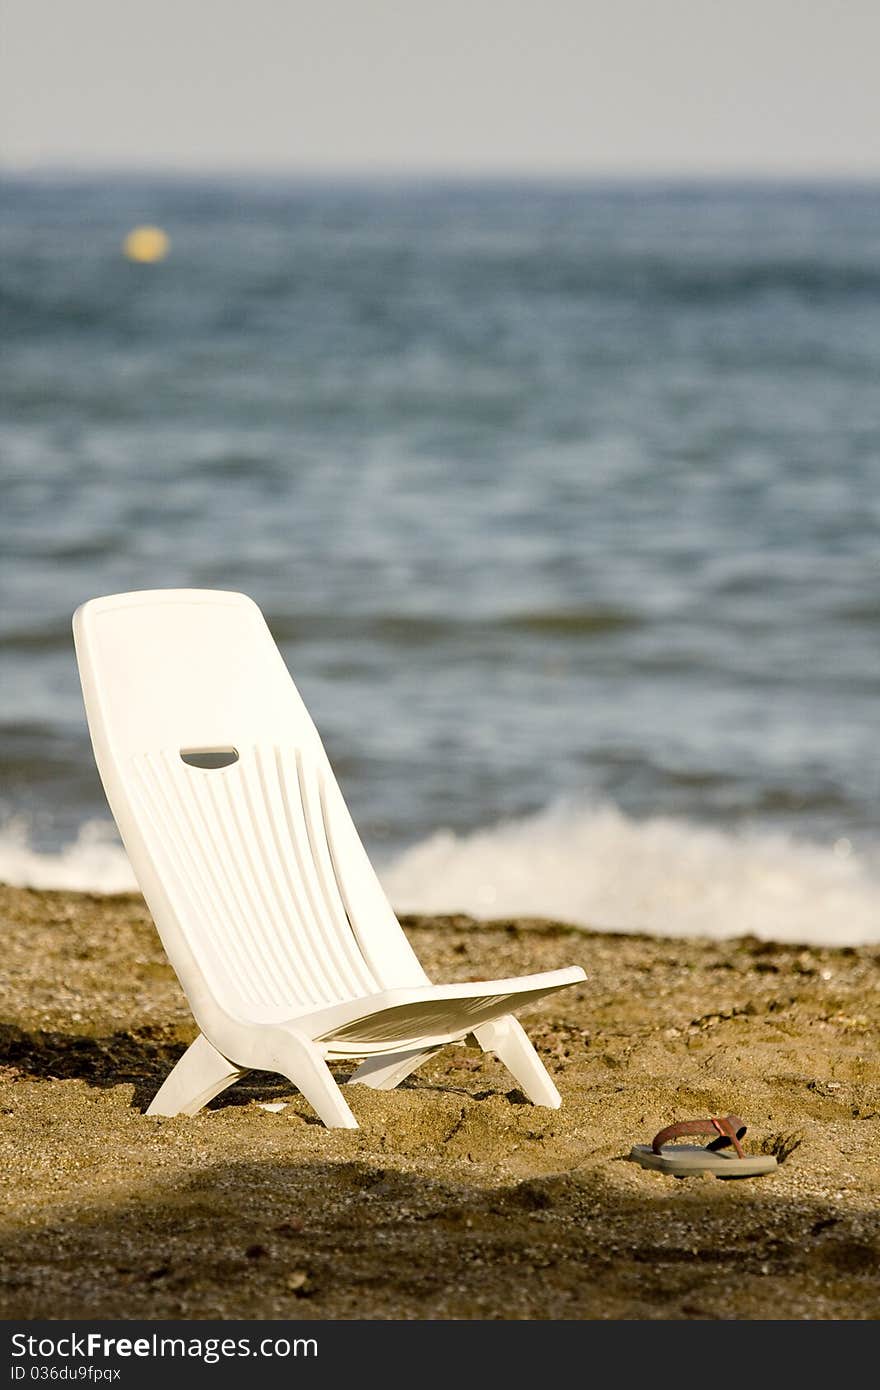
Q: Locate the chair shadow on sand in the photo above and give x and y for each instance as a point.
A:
(144, 1058)
(141, 1059)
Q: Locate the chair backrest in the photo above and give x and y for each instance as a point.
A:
(236, 828)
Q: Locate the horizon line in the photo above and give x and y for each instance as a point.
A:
(435, 174)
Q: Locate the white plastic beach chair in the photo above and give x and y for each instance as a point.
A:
(264, 897)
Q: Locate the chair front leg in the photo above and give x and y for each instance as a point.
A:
(507, 1038)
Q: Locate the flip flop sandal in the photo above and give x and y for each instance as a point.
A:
(686, 1160)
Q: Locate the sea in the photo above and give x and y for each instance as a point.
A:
(562, 502)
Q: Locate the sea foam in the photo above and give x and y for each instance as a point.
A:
(600, 868)
(594, 867)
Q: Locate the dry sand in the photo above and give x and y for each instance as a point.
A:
(455, 1198)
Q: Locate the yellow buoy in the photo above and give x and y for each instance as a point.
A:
(146, 244)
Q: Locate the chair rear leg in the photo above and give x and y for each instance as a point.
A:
(200, 1075)
(387, 1069)
(507, 1038)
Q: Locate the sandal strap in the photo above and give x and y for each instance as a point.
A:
(726, 1129)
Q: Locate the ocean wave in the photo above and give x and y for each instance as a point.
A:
(594, 867)
(94, 862)
(425, 629)
(598, 868)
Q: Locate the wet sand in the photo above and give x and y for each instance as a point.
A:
(455, 1199)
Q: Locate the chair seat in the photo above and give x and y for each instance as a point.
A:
(428, 1015)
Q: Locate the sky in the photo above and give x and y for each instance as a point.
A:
(518, 87)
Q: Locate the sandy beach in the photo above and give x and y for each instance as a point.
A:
(454, 1199)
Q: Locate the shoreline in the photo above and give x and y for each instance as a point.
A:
(454, 1198)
